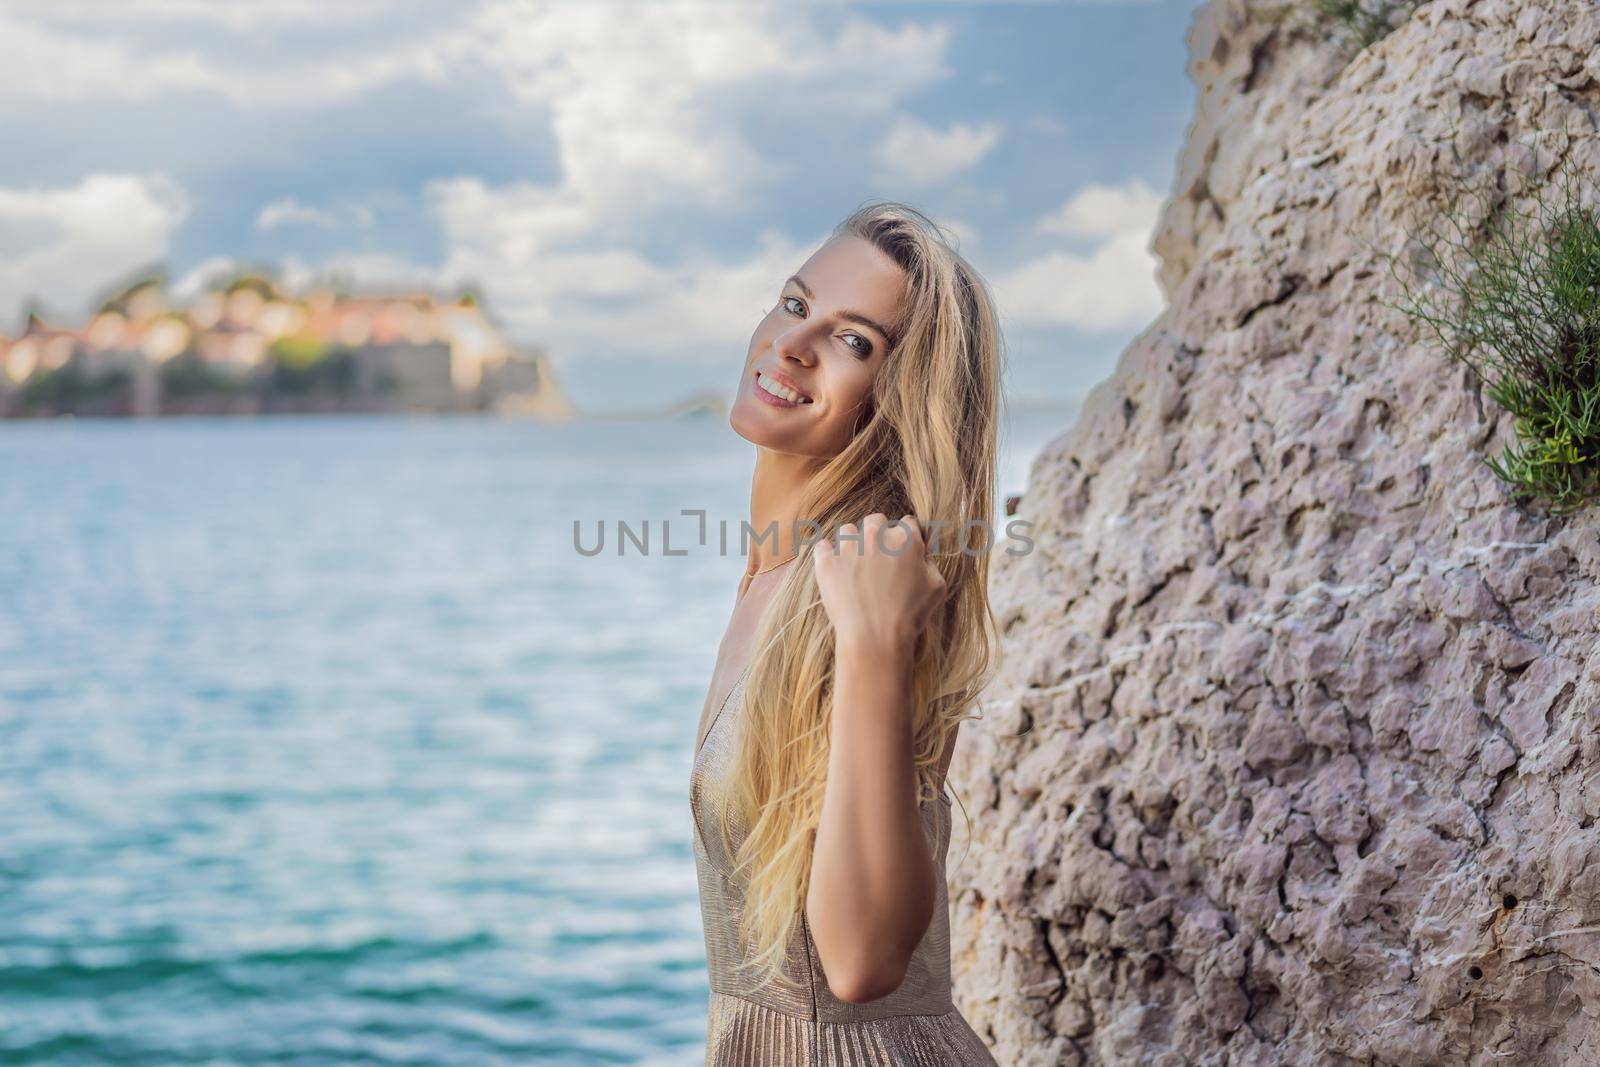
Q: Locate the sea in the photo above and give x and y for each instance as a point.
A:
(322, 743)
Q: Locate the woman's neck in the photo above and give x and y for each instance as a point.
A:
(776, 490)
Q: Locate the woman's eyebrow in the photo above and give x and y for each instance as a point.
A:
(851, 316)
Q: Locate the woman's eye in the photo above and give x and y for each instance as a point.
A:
(863, 350)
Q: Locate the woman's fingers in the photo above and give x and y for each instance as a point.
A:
(876, 531)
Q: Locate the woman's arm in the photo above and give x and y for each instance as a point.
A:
(873, 885)
(873, 877)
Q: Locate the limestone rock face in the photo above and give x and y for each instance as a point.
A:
(1293, 756)
(1254, 76)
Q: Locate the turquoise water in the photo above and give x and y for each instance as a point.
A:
(320, 743)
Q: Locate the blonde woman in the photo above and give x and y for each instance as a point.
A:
(860, 638)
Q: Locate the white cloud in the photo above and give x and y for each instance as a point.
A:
(1112, 286)
(191, 285)
(46, 56)
(291, 212)
(237, 16)
(914, 153)
(1106, 210)
(43, 63)
(647, 101)
(64, 244)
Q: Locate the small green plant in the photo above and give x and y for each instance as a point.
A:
(1359, 23)
(300, 352)
(310, 367)
(1516, 298)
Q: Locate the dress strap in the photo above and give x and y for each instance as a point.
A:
(698, 745)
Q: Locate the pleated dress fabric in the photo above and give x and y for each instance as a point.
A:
(915, 1026)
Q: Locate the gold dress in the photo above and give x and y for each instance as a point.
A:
(917, 1024)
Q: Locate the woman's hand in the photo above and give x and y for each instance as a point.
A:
(877, 583)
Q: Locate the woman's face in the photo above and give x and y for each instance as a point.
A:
(823, 341)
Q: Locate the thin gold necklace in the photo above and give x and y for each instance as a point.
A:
(770, 567)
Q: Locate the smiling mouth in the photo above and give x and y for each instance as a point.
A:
(779, 390)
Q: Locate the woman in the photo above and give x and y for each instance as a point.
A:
(855, 648)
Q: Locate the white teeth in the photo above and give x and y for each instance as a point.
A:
(778, 389)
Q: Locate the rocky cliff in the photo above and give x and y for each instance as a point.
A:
(1293, 756)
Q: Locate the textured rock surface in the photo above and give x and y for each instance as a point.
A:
(1293, 756)
(1254, 77)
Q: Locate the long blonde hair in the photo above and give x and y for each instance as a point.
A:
(925, 445)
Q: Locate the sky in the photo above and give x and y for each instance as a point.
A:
(625, 183)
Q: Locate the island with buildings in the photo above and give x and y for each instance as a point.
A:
(246, 346)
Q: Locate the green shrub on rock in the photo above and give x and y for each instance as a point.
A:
(1516, 298)
(1359, 23)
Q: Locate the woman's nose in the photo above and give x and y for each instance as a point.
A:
(795, 345)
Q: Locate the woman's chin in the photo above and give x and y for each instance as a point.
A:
(750, 421)
(752, 426)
